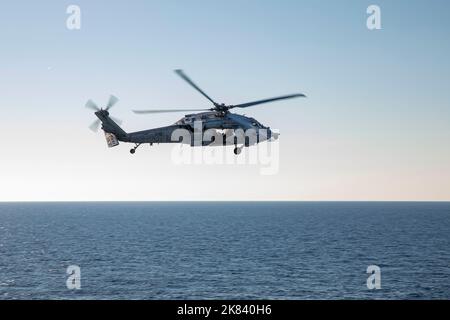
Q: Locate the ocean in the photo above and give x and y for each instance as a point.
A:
(225, 250)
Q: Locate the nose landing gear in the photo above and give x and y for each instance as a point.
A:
(237, 150)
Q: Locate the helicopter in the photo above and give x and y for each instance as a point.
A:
(218, 118)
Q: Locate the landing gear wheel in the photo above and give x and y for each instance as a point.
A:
(133, 150)
(237, 151)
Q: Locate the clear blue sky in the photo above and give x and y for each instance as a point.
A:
(375, 126)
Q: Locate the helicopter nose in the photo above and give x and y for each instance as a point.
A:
(273, 135)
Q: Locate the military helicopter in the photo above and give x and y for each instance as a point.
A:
(217, 118)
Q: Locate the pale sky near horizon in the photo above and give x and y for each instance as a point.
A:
(375, 125)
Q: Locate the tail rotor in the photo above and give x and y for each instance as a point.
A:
(93, 106)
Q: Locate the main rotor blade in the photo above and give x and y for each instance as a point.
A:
(186, 78)
(111, 102)
(95, 125)
(91, 105)
(167, 111)
(254, 103)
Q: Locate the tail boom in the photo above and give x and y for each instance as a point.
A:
(108, 125)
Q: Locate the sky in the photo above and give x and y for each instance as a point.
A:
(375, 125)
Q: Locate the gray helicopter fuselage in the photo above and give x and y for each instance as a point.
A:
(217, 120)
(204, 121)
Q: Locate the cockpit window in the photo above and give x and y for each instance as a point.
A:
(255, 122)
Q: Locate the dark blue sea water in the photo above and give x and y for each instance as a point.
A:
(225, 250)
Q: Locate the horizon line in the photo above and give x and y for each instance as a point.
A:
(212, 201)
